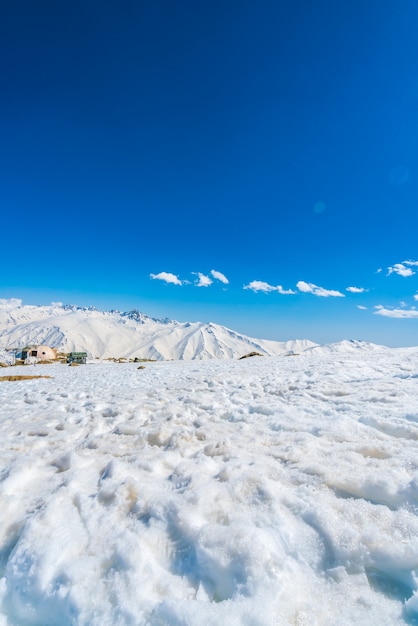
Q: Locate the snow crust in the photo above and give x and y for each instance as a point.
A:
(266, 491)
(104, 334)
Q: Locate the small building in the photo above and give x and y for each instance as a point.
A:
(39, 353)
(77, 357)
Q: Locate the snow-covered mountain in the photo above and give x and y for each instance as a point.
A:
(104, 334)
(344, 346)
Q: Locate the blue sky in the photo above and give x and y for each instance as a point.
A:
(273, 142)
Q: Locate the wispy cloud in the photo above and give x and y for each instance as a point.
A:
(318, 291)
(403, 269)
(220, 276)
(259, 285)
(416, 296)
(167, 277)
(203, 280)
(396, 313)
(361, 307)
(356, 289)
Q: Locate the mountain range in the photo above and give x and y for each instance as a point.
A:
(116, 334)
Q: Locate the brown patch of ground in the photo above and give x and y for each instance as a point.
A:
(13, 378)
(246, 356)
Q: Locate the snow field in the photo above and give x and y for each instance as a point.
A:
(278, 490)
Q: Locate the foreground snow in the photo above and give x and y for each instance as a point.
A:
(262, 492)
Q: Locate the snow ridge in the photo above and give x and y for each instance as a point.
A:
(107, 334)
(104, 334)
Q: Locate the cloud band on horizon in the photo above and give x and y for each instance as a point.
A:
(396, 313)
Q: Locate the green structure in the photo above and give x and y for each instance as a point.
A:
(77, 357)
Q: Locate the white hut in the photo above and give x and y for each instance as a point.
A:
(38, 353)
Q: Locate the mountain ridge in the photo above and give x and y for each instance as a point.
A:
(130, 334)
(105, 334)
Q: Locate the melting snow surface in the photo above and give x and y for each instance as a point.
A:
(269, 491)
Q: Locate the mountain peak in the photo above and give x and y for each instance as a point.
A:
(133, 334)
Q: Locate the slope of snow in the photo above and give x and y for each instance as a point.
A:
(6, 357)
(269, 491)
(345, 346)
(132, 334)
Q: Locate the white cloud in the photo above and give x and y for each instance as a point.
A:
(416, 296)
(413, 263)
(204, 281)
(318, 291)
(396, 313)
(356, 289)
(401, 269)
(259, 285)
(167, 277)
(379, 270)
(361, 307)
(220, 276)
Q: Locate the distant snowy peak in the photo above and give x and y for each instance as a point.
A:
(141, 318)
(10, 303)
(347, 345)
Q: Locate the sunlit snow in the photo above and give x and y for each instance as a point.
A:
(269, 491)
(107, 334)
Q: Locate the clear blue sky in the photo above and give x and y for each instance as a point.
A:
(271, 141)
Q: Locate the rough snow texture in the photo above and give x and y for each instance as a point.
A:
(6, 357)
(268, 491)
(133, 334)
